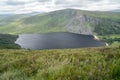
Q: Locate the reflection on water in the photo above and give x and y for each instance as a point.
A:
(58, 40)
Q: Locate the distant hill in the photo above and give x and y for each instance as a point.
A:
(6, 19)
(70, 20)
(117, 10)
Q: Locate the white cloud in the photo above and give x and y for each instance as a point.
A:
(103, 5)
(27, 6)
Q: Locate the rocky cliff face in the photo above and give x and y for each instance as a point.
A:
(80, 24)
(85, 24)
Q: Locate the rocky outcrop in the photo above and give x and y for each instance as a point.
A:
(81, 24)
(85, 24)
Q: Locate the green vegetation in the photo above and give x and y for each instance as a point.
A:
(113, 40)
(66, 64)
(107, 27)
(101, 22)
(7, 41)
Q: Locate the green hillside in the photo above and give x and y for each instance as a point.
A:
(101, 23)
(66, 64)
(102, 63)
(113, 40)
(8, 41)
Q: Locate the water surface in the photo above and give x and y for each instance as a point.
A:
(59, 40)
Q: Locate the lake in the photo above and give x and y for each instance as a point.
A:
(57, 40)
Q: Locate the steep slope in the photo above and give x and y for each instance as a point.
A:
(70, 20)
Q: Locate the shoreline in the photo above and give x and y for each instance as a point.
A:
(97, 38)
(107, 44)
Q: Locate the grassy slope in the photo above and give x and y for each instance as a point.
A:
(35, 24)
(56, 21)
(7, 41)
(66, 64)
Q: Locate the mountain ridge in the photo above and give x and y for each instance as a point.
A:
(69, 20)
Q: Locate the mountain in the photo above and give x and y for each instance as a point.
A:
(117, 10)
(70, 20)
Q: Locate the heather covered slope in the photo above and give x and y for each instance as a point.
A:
(66, 64)
(71, 20)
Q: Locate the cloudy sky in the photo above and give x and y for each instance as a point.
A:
(28, 6)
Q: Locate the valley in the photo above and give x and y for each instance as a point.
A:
(68, 44)
(96, 23)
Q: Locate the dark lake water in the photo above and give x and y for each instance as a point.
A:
(58, 40)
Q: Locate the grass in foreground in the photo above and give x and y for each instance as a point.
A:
(66, 64)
